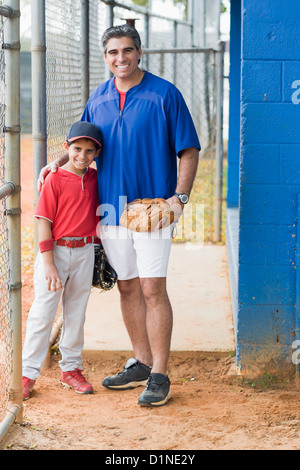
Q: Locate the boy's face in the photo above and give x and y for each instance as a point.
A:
(82, 153)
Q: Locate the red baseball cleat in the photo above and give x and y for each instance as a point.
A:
(74, 379)
(28, 385)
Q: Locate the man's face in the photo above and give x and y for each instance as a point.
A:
(122, 57)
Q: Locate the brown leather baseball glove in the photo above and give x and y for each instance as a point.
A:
(143, 215)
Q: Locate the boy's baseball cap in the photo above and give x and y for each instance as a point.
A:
(85, 130)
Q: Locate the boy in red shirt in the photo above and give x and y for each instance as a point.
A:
(66, 212)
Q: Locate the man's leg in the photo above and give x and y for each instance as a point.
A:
(118, 245)
(146, 310)
(133, 308)
(159, 321)
(153, 251)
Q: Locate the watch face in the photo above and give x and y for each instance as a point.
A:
(183, 198)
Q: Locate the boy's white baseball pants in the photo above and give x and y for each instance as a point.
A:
(75, 267)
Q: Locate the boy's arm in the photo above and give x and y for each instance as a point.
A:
(51, 273)
(58, 162)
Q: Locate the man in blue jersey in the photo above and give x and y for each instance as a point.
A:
(145, 125)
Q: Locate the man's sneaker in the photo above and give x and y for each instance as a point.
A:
(135, 374)
(157, 391)
(74, 379)
(28, 385)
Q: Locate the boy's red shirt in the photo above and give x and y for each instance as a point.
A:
(70, 202)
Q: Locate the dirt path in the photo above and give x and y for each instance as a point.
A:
(210, 408)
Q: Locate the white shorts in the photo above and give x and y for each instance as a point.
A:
(136, 254)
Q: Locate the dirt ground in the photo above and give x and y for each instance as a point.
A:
(211, 407)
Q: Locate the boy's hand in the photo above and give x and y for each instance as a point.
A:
(52, 277)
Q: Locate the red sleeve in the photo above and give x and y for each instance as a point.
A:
(47, 204)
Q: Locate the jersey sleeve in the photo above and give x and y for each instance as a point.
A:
(47, 204)
(182, 130)
(86, 115)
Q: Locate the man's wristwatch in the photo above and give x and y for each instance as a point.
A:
(183, 198)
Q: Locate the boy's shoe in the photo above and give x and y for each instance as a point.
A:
(28, 385)
(135, 374)
(74, 379)
(157, 391)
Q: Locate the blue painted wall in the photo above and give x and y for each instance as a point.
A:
(234, 105)
(262, 212)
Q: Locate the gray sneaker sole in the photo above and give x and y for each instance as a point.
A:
(128, 386)
(157, 403)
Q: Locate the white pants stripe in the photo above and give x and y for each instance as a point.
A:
(75, 267)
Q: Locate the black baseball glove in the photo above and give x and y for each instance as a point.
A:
(104, 276)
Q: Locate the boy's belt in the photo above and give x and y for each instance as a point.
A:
(79, 243)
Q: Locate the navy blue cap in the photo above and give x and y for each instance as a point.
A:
(85, 130)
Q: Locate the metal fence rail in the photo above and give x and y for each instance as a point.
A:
(10, 229)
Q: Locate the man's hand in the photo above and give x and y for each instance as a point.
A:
(51, 167)
(176, 207)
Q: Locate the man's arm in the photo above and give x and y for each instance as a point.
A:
(52, 166)
(188, 165)
(51, 273)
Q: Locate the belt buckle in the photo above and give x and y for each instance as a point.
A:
(70, 243)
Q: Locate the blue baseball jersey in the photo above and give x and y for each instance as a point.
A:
(138, 158)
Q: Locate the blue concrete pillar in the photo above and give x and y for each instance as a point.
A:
(269, 185)
(232, 216)
(234, 104)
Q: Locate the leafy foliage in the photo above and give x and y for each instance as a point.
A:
(142, 3)
(145, 3)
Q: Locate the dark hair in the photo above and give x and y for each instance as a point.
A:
(122, 31)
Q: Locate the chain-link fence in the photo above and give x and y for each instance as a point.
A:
(63, 70)
(5, 317)
(10, 249)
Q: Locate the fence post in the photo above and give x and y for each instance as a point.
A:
(85, 51)
(38, 73)
(219, 143)
(110, 21)
(147, 38)
(175, 42)
(12, 173)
